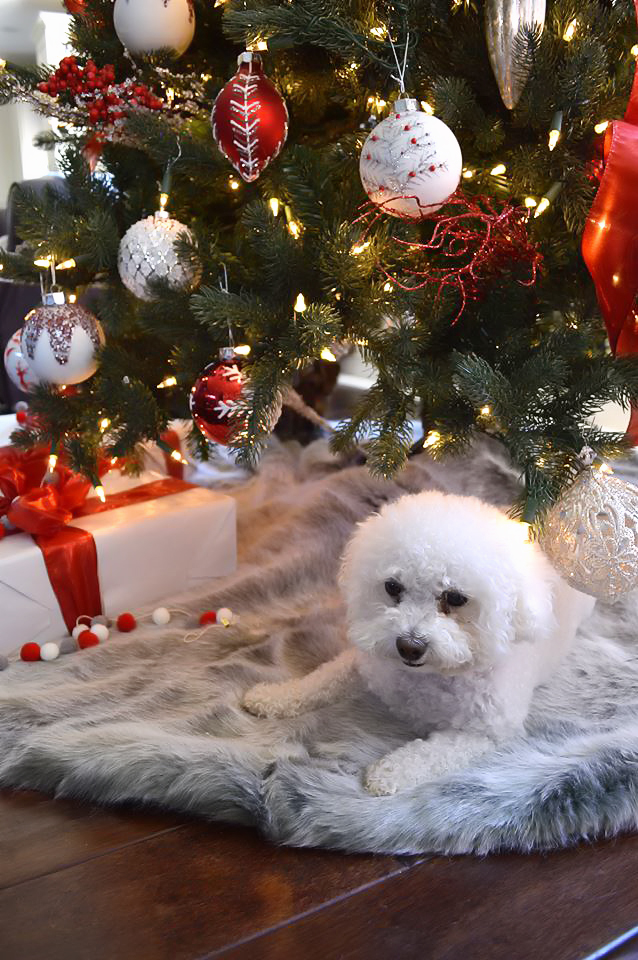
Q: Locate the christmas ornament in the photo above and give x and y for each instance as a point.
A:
(49, 651)
(15, 363)
(207, 617)
(410, 162)
(249, 118)
(215, 396)
(591, 533)
(87, 639)
(147, 252)
(504, 20)
(161, 616)
(146, 26)
(126, 622)
(60, 339)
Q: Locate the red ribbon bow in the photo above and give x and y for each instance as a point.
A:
(610, 238)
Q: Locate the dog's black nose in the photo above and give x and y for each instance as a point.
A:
(411, 648)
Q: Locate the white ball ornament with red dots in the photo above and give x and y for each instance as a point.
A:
(411, 162)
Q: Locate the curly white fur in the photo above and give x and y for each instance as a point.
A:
(481, 661)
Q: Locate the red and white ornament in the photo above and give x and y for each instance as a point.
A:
(215, 396)
(146, 26)
(15, 363)
(411, 162)
(60, 340)
(250, 118)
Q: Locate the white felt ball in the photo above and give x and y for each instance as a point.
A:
(144, 26)
(224, 614)
(411, 162)
(161, 616)
(75, 633)
(59, 341)
(49, 651)
(100, 631)
(15, 363)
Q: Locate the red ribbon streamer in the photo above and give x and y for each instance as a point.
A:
(69, 553)
(610, 238)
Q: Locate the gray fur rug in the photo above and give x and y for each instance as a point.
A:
(149, 719)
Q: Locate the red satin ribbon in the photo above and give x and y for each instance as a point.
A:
(610, 238)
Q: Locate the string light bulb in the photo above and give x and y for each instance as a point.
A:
(294, 229)
(379, 32)
(104, 424)
(432, 438)
(427, 107)
(547, 199)
(486, 410)
(601, 127)
(387, 286)
(176, 455)
(273, 203)
(530, 202)
(53, 459)
(468, 174)
(358, 248)
(499, 169)
(99, 492)
(555, 129)
(300, 304)
(72, 298)
(327, 354)
(570, 30)
(167, 382)
(243, 349)
(163, 200)
(234, 184)
(634, 50)
(66, 264)
(42, 262)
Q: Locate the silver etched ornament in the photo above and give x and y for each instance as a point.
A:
(147, 252)
(591, 535)
(60, 340)
(504, 20)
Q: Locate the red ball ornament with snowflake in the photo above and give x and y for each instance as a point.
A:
(250, 118)
(215, 396)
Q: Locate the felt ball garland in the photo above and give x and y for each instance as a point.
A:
(90, 634)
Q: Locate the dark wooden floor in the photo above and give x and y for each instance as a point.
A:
(81, 882)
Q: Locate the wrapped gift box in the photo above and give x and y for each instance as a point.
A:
(146, 552)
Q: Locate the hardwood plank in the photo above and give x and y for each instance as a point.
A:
(177, 896)
(562, 906)
(39, 835)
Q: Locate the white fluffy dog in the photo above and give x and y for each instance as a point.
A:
(453, 620)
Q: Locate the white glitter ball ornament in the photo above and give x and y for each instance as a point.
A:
(147, 252)
(145, 26)
(591, 535)
(411, 162)
(60, 340)
(15, 363)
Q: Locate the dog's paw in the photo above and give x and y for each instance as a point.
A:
(391, 774)
(268, 700)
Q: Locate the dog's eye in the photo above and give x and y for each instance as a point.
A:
(452, 598)
(393, 588)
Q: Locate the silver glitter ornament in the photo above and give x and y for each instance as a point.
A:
(504, 20)
(60, 340)
(591, 533)
(147, 252)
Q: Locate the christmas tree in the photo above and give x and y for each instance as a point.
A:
(480, 315)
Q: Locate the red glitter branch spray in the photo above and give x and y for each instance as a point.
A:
(477, 238)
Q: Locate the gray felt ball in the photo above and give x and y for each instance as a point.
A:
(68, 645)
(4, 662)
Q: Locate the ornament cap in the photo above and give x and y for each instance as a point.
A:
(248, 56)
(55, 298)
(227, 353)
(406, 105)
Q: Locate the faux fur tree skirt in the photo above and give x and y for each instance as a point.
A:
(149, 719)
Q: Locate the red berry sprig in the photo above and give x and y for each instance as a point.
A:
(95, 89)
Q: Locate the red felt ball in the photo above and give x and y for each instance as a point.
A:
(30, 652)
(126, 622)
(21, 416)
(87, 639)
(209, 616)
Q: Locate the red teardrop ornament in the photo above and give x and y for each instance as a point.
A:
(250, 118)
(214, 397)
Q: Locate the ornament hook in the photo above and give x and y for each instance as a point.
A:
(401, 68)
